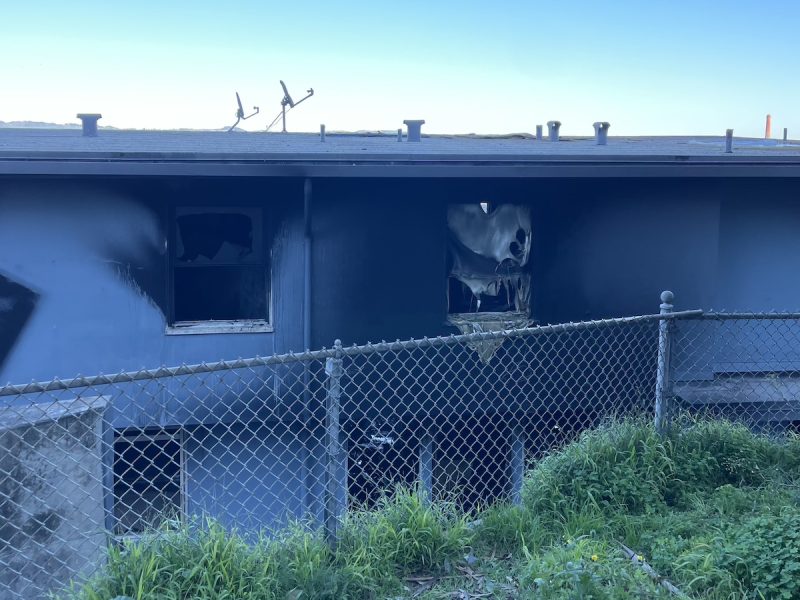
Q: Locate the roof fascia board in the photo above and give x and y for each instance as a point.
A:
(405, 169)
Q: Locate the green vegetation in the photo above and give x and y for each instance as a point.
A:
(711, 507)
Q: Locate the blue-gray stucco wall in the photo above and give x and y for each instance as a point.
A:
(93, 252)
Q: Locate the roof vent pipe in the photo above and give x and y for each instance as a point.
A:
(89, 122)
(601, 132)
(414, 129)
(552, 130)
(539, 135)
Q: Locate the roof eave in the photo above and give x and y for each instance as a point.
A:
(400, 165)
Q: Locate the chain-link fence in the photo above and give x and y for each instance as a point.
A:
(258, 443)
(739, 366)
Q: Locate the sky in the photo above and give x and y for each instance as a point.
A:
(649, 67)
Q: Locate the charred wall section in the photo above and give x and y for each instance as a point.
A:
(91, 255)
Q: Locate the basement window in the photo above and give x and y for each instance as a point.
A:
(148, 480)
(219, 270)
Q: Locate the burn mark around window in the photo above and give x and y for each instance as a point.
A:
(17, 303)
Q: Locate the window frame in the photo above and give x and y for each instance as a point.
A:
(131, 436)
(204, 327)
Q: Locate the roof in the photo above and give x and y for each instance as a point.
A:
(123, 152)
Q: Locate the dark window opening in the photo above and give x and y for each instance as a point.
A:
(220, 266)
(220, 293)
(216, 237)
(463, 301)
(148, 487)
(379, 461)
(470, 462)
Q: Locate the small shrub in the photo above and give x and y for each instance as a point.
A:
(710, 454)
(405, 533)
(507, 528)
(765, 553)
(210, 562)
(623, 465)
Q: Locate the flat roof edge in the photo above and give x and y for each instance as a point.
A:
(411, 167)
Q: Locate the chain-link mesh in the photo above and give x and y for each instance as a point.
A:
(257, 443)
(739, 366)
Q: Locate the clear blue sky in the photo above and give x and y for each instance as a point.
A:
(647, 66)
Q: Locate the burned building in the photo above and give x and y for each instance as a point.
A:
(135, 249)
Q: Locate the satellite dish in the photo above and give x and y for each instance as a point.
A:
(287, 101)
(287, 98)
(240, 116)
(240, 110)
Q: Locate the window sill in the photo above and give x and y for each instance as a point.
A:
(214, 327)
(510, 319)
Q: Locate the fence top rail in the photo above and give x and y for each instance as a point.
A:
(337, 351)
(749, 316)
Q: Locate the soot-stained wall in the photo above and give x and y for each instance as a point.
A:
(607, 248)
(92, 254)
(378, 260)
(83, 261)
(601, 248)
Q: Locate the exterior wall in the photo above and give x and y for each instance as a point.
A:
(94, 252)
(230, 475)
(608, 248)
(379, 250)
(602, 248)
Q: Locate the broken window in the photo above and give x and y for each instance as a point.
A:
(148, 481)
(489, 283)
(220, 266)
(489, 251)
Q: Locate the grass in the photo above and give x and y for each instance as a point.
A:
(712, 507)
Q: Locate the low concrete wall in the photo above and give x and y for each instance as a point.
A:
(769, 403)
(51, 495)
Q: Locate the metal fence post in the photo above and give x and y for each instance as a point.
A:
(663, 391)
(517, 462)
(426, 465)
(336, 488)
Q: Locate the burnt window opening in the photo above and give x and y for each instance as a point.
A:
(220, 266)
(463, 301)
(148, 480)
(489, 251)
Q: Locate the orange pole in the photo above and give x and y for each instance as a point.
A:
(768, 129)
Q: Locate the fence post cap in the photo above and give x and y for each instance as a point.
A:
(667, 297)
